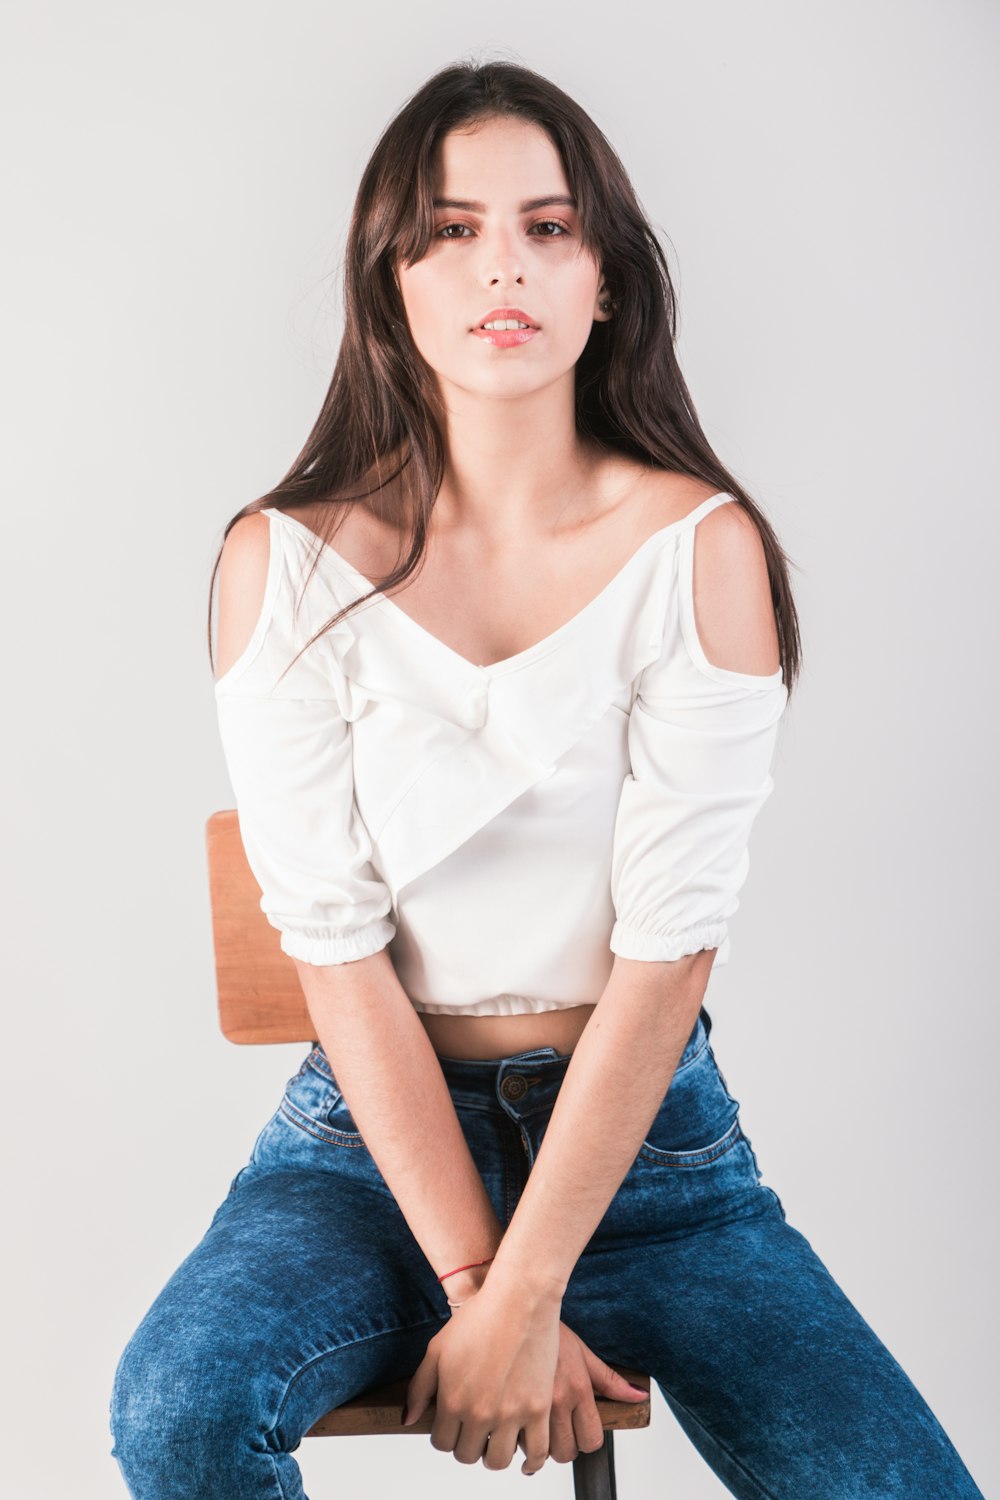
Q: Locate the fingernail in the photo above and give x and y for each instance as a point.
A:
(641, 1389)
(402, 1418)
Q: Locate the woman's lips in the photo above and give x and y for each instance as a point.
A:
(505, 338)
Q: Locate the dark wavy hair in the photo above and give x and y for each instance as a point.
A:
(381, 420)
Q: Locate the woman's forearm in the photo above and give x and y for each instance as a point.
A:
(383, 1060)
(625, 1056)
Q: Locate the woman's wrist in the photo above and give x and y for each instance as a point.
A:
(466, 1283)
(540, 1288)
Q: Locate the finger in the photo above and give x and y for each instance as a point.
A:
(501, 1446)
(608, 1382)
(627, 1388)
(621, 1389)
(421, 1390)
(472, 1442)
(563, 1444)
(445, 1430)
(536, 1444)
(587, 1426)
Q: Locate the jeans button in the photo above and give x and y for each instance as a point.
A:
(514, 1086)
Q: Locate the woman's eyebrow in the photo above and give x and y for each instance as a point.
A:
(526, 206)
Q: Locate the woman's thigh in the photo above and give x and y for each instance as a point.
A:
(777, 1379)
(306, 1289)
(696, 1276)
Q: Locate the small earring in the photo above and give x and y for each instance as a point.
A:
(605, 304)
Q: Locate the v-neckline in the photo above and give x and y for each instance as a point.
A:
(519, 658)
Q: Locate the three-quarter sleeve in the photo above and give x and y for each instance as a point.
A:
(701, 740)
(289, 753)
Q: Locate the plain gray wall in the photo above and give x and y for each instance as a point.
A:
(178, 185)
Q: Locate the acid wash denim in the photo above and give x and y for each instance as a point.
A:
(308, 1287)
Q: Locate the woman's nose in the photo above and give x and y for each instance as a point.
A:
(501, 258)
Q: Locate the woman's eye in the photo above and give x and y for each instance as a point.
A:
(563, 229)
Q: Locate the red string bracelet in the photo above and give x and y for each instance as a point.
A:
(472, 1264)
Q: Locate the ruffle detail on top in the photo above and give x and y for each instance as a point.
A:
(530, 721)
(442, 746)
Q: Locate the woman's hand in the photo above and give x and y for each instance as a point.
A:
(575, 1423)
(502, 1368)
(490, 1371)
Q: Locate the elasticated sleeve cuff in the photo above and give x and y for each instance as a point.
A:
(338, 947)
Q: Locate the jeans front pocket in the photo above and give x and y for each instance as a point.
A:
(695, 1169)
(698, 1118)
(314, 1103)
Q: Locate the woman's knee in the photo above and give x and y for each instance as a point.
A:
(181, 1413)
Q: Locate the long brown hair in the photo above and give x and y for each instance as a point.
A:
(381, 420)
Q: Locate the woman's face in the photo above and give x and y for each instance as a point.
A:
(492, 249)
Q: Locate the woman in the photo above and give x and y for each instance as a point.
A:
(500, 820)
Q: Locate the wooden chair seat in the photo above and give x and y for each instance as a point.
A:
(260, 1000)
(378, 1411)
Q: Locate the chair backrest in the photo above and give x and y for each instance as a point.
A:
(260, 997)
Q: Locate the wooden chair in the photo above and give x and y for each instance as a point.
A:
(261, 1000)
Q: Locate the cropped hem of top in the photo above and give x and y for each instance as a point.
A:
(503, 830)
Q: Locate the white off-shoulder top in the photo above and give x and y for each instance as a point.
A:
(504, 830)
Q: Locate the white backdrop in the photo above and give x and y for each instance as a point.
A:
(178, 185)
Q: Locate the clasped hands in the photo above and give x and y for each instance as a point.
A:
(505, 1372)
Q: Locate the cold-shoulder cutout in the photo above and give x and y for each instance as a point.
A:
(289, 751)
(726, 610)
(247, 573)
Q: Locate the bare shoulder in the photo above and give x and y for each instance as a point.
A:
(655, 498)
(675, 496)
(733, 607)
(245, 556)
(246, 538)
(370, 543)
(243, 569)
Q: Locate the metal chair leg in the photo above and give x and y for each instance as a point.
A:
(594, 1473)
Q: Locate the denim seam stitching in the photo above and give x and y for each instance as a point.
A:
(325, 1133)
(693, 1058)
(508, 1184)
(711, 1153)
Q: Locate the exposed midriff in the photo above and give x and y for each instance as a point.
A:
(502, 1036)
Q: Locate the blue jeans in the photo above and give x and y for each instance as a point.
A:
(308, 1287)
